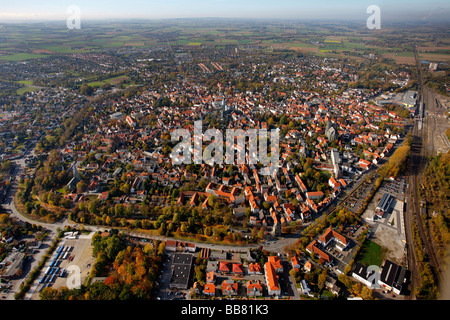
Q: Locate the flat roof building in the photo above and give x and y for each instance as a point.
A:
(366, 276)
(181, 271)
(394, 277)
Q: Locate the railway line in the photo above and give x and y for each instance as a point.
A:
(416, 214)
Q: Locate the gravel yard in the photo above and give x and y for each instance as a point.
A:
(388, 231)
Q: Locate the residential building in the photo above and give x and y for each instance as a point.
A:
(271, 278)
(254, 288)
(209, 289)
(314, 195)
(329, 235)
(229, 287)
(276, 263)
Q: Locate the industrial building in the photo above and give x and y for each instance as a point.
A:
(181, 271)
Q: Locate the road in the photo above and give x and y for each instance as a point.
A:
(10, 205)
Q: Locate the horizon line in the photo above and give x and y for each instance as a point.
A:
(296, 20)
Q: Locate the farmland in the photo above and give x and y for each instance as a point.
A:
(336, 40)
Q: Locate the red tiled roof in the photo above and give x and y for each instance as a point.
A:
(224, 266)
(272, 279)
(237, 268)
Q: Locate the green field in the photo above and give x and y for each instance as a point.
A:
(61, 49)
(26, 82)
(371, 253)
(25, 89)
(112, 81)
(22, 56)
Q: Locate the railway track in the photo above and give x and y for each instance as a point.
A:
(417, 163)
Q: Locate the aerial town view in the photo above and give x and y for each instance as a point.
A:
(253, 152)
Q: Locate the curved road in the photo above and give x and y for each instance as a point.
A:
(10, 206)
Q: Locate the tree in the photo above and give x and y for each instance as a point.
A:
(161, 248)
(356, 288)
(162, 229)
(119, 210)
(93, 206)
(4, 218)
(86, 90)
(261, 233)
(176, 217)
(184, 228)
(125, 188)
(175, 193)
(322, 279)
(81, 186)
(366, 293)
(208, 231)
(293, 273)
(346, 280)
(211, 200)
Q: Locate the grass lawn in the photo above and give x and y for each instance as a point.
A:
(26, 82)
(371, 253)
(25, 89)
(112, 81)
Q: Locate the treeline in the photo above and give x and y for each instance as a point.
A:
(397, 162)
(426, 288)
(172, 220)
(438, 82)
(436, 183)
(401, 111)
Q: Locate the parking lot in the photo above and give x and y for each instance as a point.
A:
(70, 251)
(395, 188)
(357, 199)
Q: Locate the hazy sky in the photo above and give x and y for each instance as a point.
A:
(410, 10)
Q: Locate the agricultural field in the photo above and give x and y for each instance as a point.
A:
(351, 41)
(21, 56)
